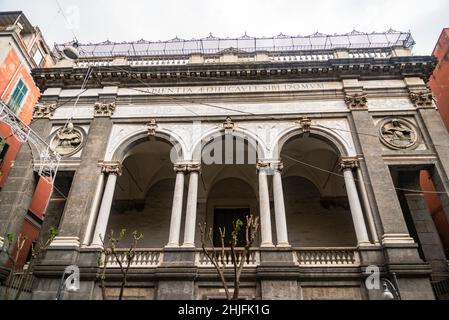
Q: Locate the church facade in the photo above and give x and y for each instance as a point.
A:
(323, 138)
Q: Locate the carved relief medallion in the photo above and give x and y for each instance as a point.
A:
(67, 140)
(397, 133)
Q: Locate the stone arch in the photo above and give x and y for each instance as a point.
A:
(132, 140)
(253, 140)
(219, 178)
(317, 132)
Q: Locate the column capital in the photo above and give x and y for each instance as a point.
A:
(111, 167)
(104, 109)
(277, 166)
(194, 167)
(263, 166)
(44, 111)
(357, 101)
(422, 99)
(348, 163)
(180, 167)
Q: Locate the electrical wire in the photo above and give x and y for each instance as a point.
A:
(86, 78)
(66, 20)
(250, 113)
(228, 109)
(284, 155)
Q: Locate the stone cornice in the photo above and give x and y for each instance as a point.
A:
(335, 69)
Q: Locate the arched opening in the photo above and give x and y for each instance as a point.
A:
(228, 186)
(316, 202)
(230, 199)
(144, 194)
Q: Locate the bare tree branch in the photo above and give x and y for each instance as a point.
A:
(238, 262)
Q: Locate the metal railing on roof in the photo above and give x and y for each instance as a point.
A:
(247, 44)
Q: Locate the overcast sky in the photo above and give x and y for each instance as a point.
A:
(128, 20)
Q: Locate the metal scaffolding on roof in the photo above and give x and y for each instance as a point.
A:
(246, 44)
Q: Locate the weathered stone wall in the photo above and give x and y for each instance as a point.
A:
(153, 220)
(313, 221)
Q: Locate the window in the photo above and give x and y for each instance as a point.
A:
(3, 149)
(18, 96)
(38, 57)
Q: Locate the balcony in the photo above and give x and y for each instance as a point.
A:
(303, 257)
(144, 258)
(252, 258)
(327, 257)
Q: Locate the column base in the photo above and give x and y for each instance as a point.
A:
(65, 242)
(393, 239)
(172, 245)
(365, 244)
(178, 257)
(283, 245)
(267, 245)
(188, 245)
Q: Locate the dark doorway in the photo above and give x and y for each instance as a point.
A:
(225, 218)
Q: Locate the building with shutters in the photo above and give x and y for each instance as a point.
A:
(22, 48)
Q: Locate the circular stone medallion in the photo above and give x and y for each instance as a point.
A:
(67, 140)
(397, 133)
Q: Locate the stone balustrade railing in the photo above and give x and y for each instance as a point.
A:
(144, 258)
(252, 258)
(304, 257)
(327, 257)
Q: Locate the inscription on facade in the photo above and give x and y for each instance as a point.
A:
(250, 88)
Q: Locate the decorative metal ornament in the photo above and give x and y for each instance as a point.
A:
(397, 134)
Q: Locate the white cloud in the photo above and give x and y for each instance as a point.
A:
(163, 19)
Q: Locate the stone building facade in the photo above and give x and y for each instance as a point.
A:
(322, 137)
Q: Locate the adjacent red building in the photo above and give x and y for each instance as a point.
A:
(22, 48)
(439, 83)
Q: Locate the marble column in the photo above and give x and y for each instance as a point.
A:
(354, 202)
(176, 213)
(113, 170)
(279, 206)
(264, 199)
(96, 202)
(369, 212)
(192, 200)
